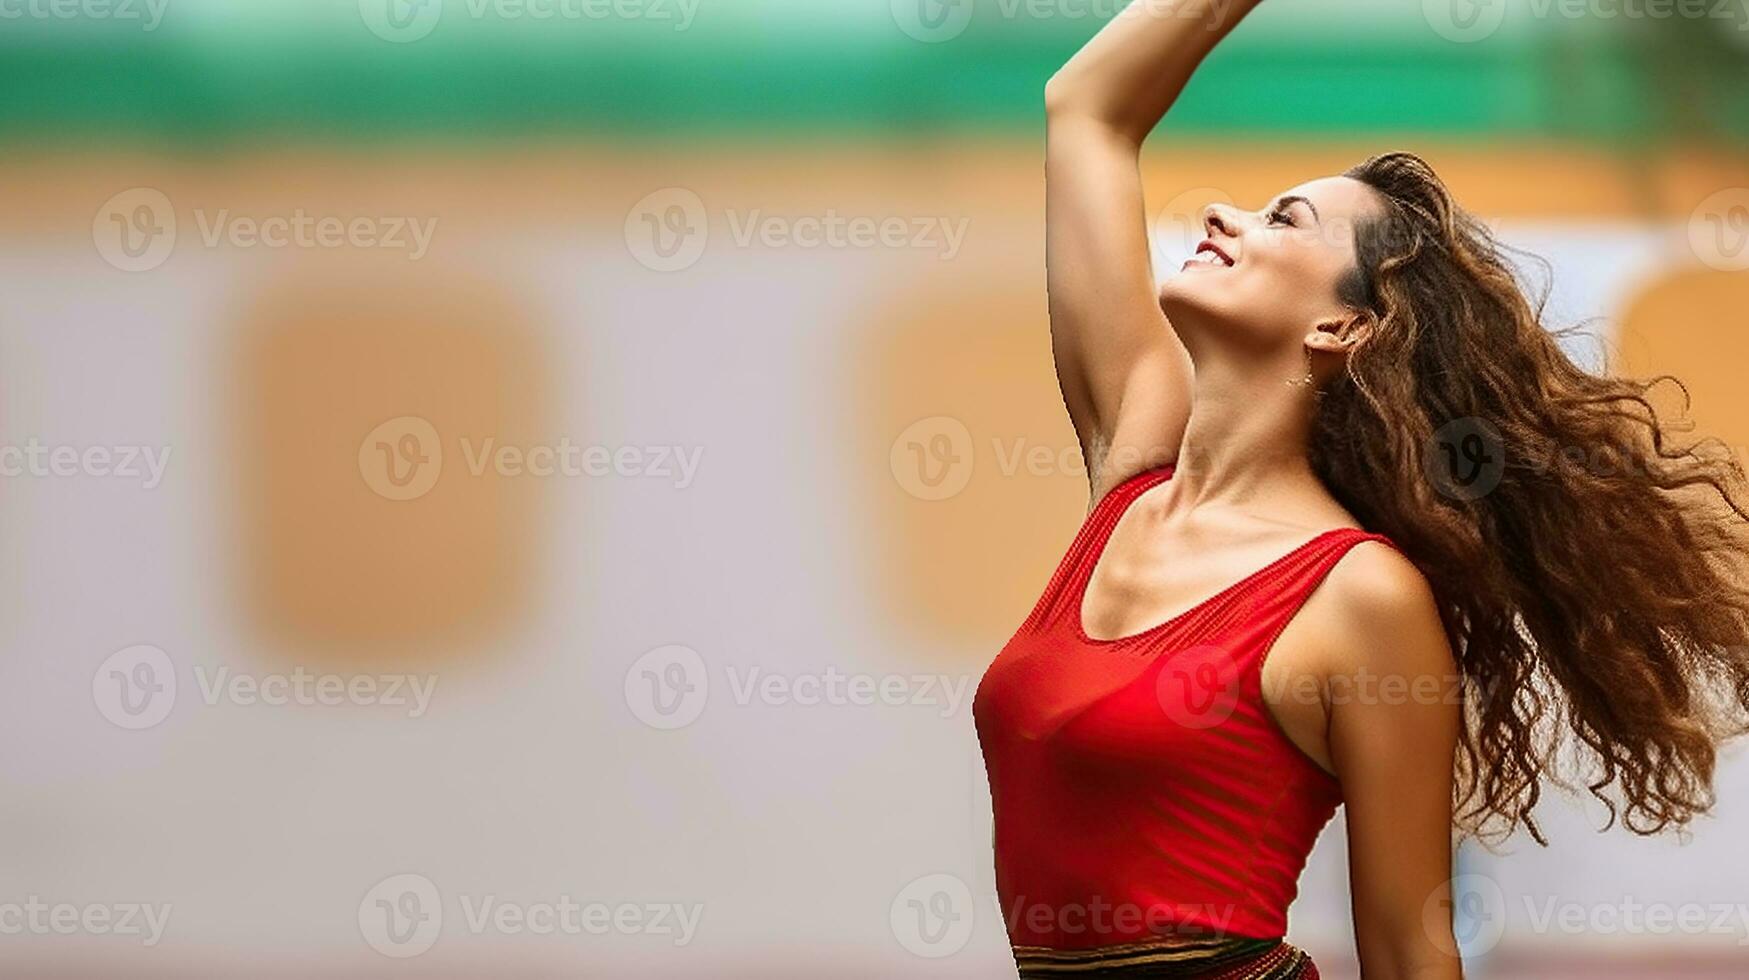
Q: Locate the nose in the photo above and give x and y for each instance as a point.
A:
(1219, 219)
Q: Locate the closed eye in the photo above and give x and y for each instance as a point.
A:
(1284, 208)
(1280, 216)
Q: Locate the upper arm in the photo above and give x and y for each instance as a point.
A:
(1394, 726)
(1124, 375)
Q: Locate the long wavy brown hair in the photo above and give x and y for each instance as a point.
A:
(1589, 564)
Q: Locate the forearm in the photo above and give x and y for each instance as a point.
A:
(1382, 968)
(1411, 957)
(1134, 69)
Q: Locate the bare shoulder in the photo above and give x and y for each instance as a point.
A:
(1376, 580)
(1384, 606)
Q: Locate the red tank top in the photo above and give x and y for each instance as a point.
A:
(1142, 790)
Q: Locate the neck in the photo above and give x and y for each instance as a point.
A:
(1249, 433)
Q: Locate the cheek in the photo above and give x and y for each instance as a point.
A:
(1306, 271)
(1248, 288)
(1278, 286)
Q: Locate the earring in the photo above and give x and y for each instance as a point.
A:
(1310, 380)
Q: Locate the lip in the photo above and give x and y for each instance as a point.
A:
(1209, 245)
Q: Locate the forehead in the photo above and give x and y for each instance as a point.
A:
(1336, 197)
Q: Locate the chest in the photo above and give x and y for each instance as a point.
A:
(1149, 575)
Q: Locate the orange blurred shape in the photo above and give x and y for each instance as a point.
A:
(370, 399)
(1694, 324)
(975, 475)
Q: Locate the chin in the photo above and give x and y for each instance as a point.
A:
(1180, 299)
(1209, 315)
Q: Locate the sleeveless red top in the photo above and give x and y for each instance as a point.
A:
(1142, 790)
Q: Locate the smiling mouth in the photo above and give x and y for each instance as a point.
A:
(1209, 254)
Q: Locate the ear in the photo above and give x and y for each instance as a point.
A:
(1340, 336)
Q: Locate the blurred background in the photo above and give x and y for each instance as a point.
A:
(528, 487)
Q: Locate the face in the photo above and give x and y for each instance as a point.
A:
(1265, 282)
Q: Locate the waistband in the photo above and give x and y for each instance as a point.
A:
(1171, 959)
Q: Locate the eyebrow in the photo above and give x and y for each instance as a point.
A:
(1289, 199)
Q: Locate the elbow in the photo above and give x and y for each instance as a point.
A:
(1071, 106)
(1059, 97)
(1068, 94)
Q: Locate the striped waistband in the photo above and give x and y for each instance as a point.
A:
(1171, 959)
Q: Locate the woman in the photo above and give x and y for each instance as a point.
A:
(1225, 655)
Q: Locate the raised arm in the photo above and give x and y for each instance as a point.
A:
(1125, 377)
